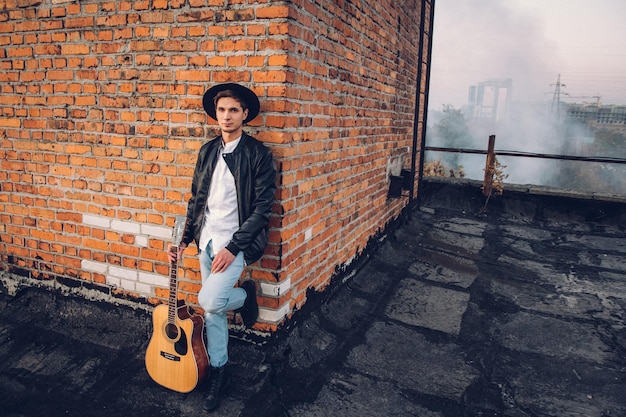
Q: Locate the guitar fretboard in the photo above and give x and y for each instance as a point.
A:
(171, 311)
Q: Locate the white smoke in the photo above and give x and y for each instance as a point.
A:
(479, 40)
(476, 40)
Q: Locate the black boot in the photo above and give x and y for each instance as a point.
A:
(250, 309)
(217, 381)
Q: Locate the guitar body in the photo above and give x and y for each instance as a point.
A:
(176, 357)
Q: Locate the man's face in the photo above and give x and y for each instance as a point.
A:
(230, 114)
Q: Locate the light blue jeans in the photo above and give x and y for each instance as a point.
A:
(217, 296)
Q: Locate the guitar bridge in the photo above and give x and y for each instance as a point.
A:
(170, 357)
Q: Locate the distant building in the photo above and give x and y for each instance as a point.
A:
(593, 114)
(490, 99)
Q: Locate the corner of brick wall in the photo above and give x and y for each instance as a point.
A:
(101, 121)
(353, 99)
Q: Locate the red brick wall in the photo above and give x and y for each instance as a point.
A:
(101, 119)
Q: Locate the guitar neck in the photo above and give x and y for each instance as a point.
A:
(172, 301)
(180, 225)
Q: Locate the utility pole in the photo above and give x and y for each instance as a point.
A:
(556, 98)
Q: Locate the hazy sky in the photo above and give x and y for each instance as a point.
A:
(531, 42)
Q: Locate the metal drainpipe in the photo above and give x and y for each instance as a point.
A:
(422, 138)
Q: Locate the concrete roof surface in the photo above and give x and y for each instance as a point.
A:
(517, 312)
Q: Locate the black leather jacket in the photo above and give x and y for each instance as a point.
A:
(252, 165)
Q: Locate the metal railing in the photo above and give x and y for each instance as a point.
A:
(491, 154)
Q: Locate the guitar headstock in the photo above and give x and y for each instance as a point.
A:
(179, 230)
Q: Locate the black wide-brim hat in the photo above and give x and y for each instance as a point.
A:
(245, 93)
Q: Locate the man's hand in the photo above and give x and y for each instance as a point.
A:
(222, 260)
(173, 254)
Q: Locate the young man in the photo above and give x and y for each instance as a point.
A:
(232, 193)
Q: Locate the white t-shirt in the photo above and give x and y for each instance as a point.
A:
(221, 215)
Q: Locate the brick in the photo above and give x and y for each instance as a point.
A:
(10, 122)
(193, 75)
(145, 46)
(272, 12)
(56, 75)
(19, 52)
(79, 22)
(197, 16)
(238, 45)
(114, 20)
(26, 26)
(157, 17)
(122, 273)
(182, 46)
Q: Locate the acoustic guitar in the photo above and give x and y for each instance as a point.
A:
(176, 357)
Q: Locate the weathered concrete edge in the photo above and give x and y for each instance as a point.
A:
(531, 189)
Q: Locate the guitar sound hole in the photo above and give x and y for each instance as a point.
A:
(171, 331)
